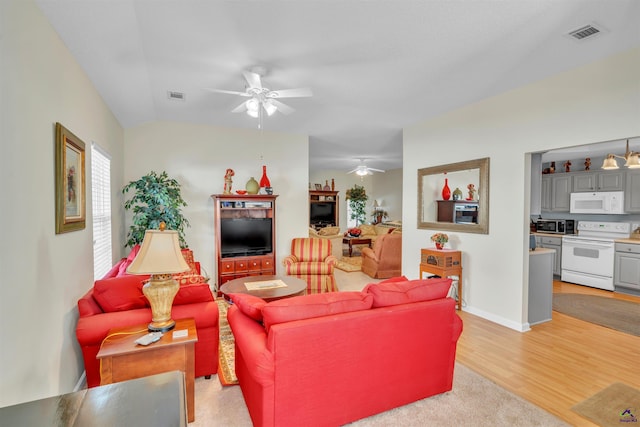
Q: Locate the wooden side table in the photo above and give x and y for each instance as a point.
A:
(444, 263)
(355, 241)
(122, 359)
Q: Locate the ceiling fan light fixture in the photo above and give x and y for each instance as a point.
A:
(362, 172)
(269, 108)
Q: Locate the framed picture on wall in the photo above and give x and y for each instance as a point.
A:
(70, 181)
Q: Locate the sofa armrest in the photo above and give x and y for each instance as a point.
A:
(331, 260)
(369, 253)
(114, 270)
(289, 259)
(251, 341)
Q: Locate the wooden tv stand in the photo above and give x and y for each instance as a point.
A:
(243, 206)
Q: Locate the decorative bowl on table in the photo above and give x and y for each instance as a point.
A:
(241, 192)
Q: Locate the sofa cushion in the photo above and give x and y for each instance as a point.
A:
(314, 305)
(367, 229)
(328, 231)
(250, 305)
(192, 293)
(120, 293)
(407, 291)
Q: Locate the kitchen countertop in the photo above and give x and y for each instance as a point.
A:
(632, 241)
(537, 233)
(541, 251)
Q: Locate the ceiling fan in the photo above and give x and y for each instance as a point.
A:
(363, 169)
(262, 99)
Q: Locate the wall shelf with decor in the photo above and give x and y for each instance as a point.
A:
(323, 208)
(245, 236)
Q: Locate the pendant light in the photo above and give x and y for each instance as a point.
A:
(632, 160)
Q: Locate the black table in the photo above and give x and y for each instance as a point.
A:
(156, 400)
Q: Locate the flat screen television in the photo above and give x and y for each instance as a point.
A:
(322, 213)
(245, 236)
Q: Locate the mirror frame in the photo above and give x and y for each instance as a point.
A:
(483, 195)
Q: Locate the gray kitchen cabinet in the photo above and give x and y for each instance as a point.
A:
(598, 181)
(626, 273)
(554, 243)
(540, 285)
(545, 193)
(632, 192)
(558, 193)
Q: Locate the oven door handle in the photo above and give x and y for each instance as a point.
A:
(590, 244)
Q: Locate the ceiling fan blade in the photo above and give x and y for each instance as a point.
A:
(240, 108)
(230, 92)
(302, 92)
(253, 79)
(283, 108)
(375, 170)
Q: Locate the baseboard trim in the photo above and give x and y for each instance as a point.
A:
(82, 382)
(520, 327)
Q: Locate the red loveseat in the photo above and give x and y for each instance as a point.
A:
(117, 301)
(333, 358)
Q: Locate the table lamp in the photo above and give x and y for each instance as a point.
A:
(160, 256)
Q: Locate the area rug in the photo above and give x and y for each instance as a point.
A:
(616, 405)
(350, 264)
(623, 316)
(226, 351)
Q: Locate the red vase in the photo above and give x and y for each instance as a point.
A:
(439, 245)
(264, 181)
(446, 191)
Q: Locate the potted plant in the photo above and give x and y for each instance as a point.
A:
(357, 202)
(440, 239)
(156, 198)
(378, 215)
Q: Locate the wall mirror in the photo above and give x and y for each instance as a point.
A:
(465, 214)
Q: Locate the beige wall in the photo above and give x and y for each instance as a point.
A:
(597, 102)
(198, 156)
(43, 274)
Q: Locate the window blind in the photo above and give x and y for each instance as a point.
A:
(101, 203)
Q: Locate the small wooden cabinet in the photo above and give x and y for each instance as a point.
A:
(248, 207)
(444, 263)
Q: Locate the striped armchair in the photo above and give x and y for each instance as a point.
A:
(311, 261)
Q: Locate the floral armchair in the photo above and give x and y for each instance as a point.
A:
(311, 260)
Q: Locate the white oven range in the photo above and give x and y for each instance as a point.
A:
(587, 258)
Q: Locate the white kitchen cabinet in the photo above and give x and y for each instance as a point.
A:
(632, 192)
(626, 274)
(598, 181)
(554, 243)
(555, 193)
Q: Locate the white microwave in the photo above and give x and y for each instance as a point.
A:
(602, 202)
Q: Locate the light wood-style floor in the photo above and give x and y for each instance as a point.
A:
(558, 363)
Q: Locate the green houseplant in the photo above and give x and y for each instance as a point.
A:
(156, 198)
(357, 202)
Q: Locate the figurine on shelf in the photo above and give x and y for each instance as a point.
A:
(228, 183)
(552, 168)
(472, 192)
(567, 166)
(587, 163)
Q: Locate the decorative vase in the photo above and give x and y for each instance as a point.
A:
(326, 186)
(457, 194)
(252, 186)
(439, 245)
(333, 185)
(264, 181)
(446, 191)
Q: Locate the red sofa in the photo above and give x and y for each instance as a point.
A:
(333, 358)
(117, 301)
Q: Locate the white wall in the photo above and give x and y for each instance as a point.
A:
(43, 274)
(198, 156)
(594, 103)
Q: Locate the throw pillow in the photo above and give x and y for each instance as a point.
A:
(189, 294)
(120, 293)
(407, 291)
(250, 305)
(314, 305)
(189, 278)
(367, 229)
(328, 231)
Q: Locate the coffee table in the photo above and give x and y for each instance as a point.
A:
(122, 359)
(355, 241)
(294, 286)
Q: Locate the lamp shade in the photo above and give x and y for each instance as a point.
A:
(633, 161)
(610, 162)
(159, 254)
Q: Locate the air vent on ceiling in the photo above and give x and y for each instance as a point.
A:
(175, 95)
(588, 31)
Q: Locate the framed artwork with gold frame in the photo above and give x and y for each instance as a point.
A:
(70, 181)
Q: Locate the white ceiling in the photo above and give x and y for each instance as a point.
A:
(374, 66)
